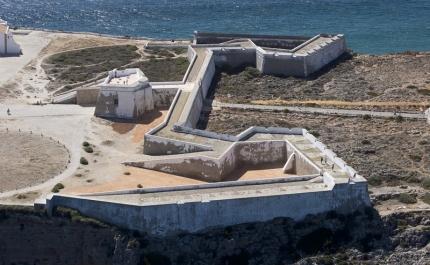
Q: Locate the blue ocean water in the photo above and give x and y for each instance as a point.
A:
(370, 26)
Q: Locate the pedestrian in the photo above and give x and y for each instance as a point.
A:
(8, 112)
(322, 159)
(332, 166)
(325, 159)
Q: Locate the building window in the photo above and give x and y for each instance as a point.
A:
(115, 100)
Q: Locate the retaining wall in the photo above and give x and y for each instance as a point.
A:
(155, 145)
(195, 216)
(87, 95)
(163, 96)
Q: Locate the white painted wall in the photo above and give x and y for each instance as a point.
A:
(7, 43)
(194, 216)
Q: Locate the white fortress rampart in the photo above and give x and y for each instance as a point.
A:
(304, 185)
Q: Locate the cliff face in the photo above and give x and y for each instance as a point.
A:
(30, 239)
(400, 238)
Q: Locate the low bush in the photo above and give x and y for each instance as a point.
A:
(422, 142)
(426, 198)
(85, 144)
(372, 93)
(367, 117)
(365, 142)
(75, 216)
(311, 105)
(415, 158)
(21, 196)
(426, 184)
(425, 92)
(127, 173)
(83, 161)
(404, 244)
(88, 149)
(57, 187)
(139, 186)
(374, 181)
(286, 111)
(407, 198)
(316, 134)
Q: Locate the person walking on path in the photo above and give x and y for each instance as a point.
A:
(8, 111)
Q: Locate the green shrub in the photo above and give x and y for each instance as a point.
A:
(406, 198)
(139, 186)
(415, 158)
(372, 93)
(422, 142)
(426, 184)
(397, 118)
(86, 144)
(425, 92)
(316, 134)
(404, 244)
(252, 71)
(426, 198)
(365, 142)
(286, 111)
(89, 180)
(367, 117)
(57, 188)
(374, 181)
(225, 89)
(412, 87)
(21, 196)
(311, 105)
(127, 173)
(179, 50)
(78, 175)
(75, 216)
(83, 161)
(88, 149)
(325, 260)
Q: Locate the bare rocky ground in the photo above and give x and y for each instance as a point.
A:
(29, 159)
(355, 81)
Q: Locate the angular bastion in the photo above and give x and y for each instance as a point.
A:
(312, 180)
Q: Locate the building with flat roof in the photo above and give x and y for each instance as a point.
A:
(124, 94)
(7, 43)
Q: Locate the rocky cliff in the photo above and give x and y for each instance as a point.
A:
(27, 237)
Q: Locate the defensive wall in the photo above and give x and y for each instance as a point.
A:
(199, 213)
(175, 146)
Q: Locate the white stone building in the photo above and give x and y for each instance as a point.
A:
(7, 43)
(124, 94)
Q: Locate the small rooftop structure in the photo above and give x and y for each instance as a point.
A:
(7, 43)
(124, 94)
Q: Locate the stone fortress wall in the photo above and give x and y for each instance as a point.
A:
(342, 190)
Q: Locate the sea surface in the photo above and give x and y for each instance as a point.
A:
(370, 26)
